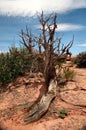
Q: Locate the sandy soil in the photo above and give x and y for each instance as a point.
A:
(25, 90)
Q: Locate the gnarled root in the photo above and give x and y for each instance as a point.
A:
(40, 108)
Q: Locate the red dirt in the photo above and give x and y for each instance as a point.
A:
(27, 89)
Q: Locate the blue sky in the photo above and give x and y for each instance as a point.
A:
(16, 14)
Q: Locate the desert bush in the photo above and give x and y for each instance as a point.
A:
(37, 65)
(13, 63)
(81, 60)
(64, 75)
(68, 74)
(63, 113)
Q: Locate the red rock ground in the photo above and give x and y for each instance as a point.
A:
(27, 89)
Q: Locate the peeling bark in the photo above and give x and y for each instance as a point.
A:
(40, 108)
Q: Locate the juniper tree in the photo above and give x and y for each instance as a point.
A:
(50, 50)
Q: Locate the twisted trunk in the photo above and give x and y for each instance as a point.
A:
(41, 107)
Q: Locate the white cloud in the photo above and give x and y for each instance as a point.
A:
(25, 7)
(66, 27)
(81, 45)
(70, 27)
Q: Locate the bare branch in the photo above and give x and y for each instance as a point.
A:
(66, 48)
(27, 39)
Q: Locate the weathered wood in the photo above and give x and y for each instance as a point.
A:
(40, 108)
(50, 45)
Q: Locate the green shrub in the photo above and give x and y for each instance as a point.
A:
(81, 60)
(64, 75)
(13, 63)
(68, 74)
(63, 113)
(16, 62)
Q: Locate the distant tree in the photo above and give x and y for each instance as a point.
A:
(50, 50)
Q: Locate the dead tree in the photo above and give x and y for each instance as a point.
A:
(28, 40)
(50, 45)
(49, 69)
